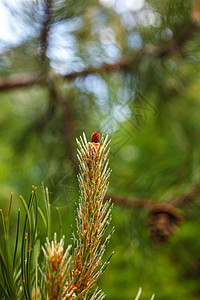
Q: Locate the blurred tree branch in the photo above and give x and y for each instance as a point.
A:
(68, 126)
(188, 197)
(48, 15)
(25, 80)
(148, 204)
(21, 81)
(131, 202)
(124, 64)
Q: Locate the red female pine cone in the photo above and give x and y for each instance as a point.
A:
(94, 146)
(95, 142)
(95, 137)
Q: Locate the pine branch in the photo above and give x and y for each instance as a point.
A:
(92, 216)
(186, 198)
(148, 204)
(124, 64)
(21, 81)
(73, 278)
(56, 98)
(132, 202)
(36, 79)
(45, 29)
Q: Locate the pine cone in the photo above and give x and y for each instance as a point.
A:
(163, 222)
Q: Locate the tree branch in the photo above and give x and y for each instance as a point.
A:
(186, 198)
(131, 202)
(20, 81)
(45, 30)
(124, 64)
(148, 204)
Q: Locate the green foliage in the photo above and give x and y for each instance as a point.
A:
(19, 258)
(150, 108)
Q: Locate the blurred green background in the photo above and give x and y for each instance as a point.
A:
(129, 68)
